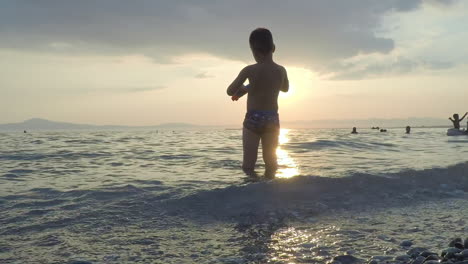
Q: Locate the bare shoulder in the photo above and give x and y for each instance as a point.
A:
(282, 69)
(247, 70)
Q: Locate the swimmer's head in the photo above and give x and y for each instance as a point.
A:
(261, 42)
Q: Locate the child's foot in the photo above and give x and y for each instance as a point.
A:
(250, 172)
(270, 174)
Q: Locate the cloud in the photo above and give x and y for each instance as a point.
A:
(143, 89)
(314, 34)
(203, 75)
(356, 71)
(118, 89)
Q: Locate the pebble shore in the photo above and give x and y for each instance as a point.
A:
(455, 253)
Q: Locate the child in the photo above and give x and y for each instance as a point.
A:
(266, 80)
(456, 121)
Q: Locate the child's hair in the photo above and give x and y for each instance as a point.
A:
(455, 115)
(261, 40)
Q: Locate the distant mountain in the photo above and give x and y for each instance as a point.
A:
(43, 124)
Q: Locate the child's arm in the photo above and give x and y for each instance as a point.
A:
(240, 92)
(463, 116)
(451, 119)
(238, 82)
(285, 84)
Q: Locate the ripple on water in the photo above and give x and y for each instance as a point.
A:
(12, 177)
(21, 171)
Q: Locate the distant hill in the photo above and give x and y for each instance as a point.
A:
(43, 124)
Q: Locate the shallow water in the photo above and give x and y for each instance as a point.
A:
(189, 161)
(180, 197)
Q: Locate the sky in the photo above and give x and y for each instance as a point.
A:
(147, 62)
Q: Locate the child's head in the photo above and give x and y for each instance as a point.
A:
(455, 116)
(261, 42)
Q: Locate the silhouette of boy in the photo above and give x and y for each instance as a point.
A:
(266, 80)
(456, 120)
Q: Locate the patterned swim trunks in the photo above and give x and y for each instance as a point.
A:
(261, 122)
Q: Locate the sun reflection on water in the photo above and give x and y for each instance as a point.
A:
(287, 166)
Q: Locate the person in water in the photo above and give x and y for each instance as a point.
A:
(408, 129)
(456, 120)
(261, 123)
(354, 131)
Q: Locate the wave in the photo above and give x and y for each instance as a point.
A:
(300, 197)
(63, 155)
(311, 195)
(325, 144)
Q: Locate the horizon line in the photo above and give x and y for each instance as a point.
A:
(295, 122)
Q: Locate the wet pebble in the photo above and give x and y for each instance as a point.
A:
(450, 252)
(80, 262)
(403, 258)
(406, 243)
(459, 246)
(418, 260)
(432, 257)
(464, 254)
(454, 241)
(379, 259)
(427, 253)
(414, 252)
(347, 259)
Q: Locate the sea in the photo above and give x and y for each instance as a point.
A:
(180, 196)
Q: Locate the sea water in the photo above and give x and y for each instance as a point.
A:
(180, 196)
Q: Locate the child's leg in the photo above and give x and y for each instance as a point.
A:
(250, 142)
(269, 145)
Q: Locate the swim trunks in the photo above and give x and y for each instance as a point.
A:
(261, 122)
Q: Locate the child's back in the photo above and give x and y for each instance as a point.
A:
(266, 80)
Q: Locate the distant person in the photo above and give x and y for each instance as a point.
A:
(354, 131)
(266, 80)
(383, 130)
(456, 120)
(408, 129)
(25, 131)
